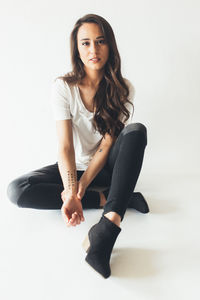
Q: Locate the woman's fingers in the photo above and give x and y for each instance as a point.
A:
(66, 219)
(78, 219)
(69, 220)
(74, 219)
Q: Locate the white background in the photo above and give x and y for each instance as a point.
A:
(159, 45)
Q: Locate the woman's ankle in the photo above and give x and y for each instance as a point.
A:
(113, 217)
(102, 200)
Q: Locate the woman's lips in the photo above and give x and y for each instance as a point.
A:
(95, 60)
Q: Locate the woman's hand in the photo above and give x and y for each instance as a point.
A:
(81, 188)
(72, 210)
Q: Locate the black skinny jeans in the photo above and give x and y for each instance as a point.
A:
(41, 188)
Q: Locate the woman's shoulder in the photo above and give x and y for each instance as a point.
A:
(60, 92)
(131, 88)
(128, 82)
(61, 86)
(59, 82)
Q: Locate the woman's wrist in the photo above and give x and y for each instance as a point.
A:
(83, 183)
(67, 194)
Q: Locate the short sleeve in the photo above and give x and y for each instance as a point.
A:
(130, 107)
(60, 104)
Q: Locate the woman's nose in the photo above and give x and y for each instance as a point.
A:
(93, 48)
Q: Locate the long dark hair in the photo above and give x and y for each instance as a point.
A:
(112, 92)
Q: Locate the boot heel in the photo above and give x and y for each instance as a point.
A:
(86, 243)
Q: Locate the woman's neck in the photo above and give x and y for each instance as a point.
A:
(92, 79)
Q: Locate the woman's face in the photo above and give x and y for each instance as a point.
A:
(91, 43)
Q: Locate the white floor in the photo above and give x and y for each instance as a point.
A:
(156, 256)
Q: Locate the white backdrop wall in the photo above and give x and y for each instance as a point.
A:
(159, 47)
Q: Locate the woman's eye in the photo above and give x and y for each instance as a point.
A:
(101, 41)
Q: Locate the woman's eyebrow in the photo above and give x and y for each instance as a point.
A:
(99, 37)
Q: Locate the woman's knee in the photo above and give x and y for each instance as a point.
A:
(16, 188)
(138, 127)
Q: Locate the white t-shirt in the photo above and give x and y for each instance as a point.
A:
(67, 104)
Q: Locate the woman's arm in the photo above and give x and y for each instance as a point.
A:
(71, 209)
(67, 169)
(66, 156)
(98, 161)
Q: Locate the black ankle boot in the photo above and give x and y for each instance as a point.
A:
(136, 201)
(99, 244)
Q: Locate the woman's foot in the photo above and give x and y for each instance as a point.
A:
(136, 201)
(99, 244)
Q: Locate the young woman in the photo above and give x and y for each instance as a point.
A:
(97, 143)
